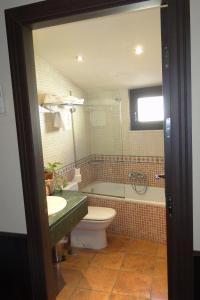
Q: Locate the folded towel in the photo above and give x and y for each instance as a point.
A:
(73, 100)
(51, 98)
(55, 99)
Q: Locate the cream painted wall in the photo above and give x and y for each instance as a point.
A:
(114, 136)
(58, 144)
(195, 50)
(12, 215)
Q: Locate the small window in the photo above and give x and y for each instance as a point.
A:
(146, 108)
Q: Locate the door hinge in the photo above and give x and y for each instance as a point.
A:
(170, 206)
(168, 128)
(166, 57)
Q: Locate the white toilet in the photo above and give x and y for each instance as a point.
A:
(91, 231)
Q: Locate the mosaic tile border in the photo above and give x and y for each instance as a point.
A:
(85, 160)
(110, 158)
(129, 158)
(69, 167)
(66, 169)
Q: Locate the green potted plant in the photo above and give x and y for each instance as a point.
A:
(53, 180)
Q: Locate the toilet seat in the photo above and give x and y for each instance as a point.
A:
(91, 230)
(96, 213)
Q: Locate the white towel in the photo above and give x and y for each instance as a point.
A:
(57, 120)
(62, 120)
(66, 119)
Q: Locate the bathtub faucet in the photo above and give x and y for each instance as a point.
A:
(160, 176)
(138, 188)
(136, 175)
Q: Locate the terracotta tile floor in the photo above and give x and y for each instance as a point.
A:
(126, 270)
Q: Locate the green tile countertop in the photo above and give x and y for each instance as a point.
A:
(63, 222)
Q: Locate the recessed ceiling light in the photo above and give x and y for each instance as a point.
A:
(79, 58)
(138, 50)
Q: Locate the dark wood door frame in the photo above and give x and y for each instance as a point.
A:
(177, 91)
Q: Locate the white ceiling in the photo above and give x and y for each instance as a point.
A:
(107, 44)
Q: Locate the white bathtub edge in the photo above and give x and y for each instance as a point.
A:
(160, 204)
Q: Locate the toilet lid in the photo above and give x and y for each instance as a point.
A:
(100, 213)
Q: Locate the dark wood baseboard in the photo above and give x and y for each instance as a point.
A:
(15, 274)
(196, 255)
(14, 267)
(12, 235)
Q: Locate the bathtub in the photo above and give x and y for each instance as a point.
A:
(125, 192)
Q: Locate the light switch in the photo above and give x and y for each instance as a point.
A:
(2, 104)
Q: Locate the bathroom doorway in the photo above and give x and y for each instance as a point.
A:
(177, 136)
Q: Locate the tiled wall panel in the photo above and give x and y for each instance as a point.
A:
(137, 220)
(110, 168)
(118, 172)
(58, 143)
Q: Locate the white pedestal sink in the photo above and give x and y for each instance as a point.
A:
(55, 204)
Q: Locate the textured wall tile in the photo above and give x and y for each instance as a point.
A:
(58, 143)
(137, 220)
